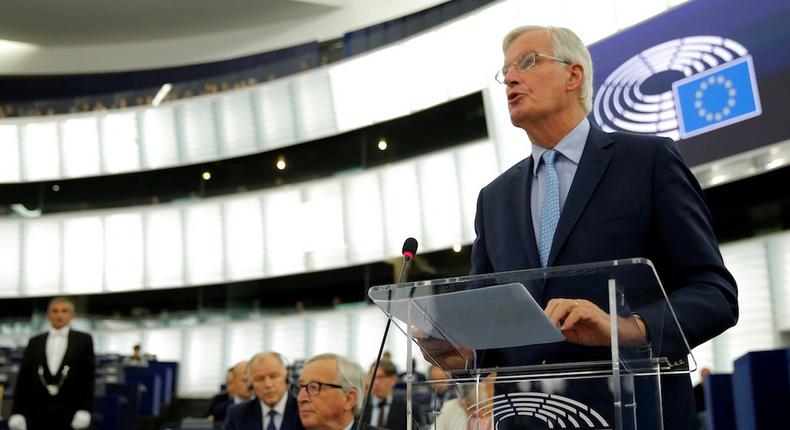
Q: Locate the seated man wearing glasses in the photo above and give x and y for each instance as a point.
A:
(273, 408)
(330, 393)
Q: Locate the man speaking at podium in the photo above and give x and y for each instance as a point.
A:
(585, 196)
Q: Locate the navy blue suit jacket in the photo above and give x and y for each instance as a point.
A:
(632, 196)
(248, 416)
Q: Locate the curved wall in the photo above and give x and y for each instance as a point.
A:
(423, 71)
(23, 59)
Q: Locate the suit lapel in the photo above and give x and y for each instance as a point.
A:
(592, 166)
(42, 354)
(257, 412)
(70, 348)
(289, 411)
(524, 212)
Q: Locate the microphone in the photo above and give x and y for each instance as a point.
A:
(409, 250)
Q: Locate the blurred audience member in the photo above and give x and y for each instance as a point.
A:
(241, 383)
(136, 359)
(470, 411)
(441, 391)
(386, 409)
(219, 404)
(699, 398)
(275, 408)
(418, 376)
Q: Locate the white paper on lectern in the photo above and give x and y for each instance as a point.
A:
(498, 316)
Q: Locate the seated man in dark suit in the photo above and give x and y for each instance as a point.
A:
(219, 404)
(387, 408)
(330, 393)
(272, 408)
(54, 389)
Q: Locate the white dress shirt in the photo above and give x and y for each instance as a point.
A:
(57, 342)
(279, 408)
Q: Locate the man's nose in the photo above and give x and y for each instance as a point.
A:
(512, 76)
(302, 395)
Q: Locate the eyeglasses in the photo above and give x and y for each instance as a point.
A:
(313, 388)
(525, 63)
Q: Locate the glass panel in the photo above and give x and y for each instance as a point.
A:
(203, 358)
(83, 255)
(440, 201)
(200, 139)
(244, 237)
(164, 264)
(9, 147)
(124, 254)
(161, 144)
(41, 151)
(81, 147)
(322, 226)
(120, 143)
(364, 217)
(237, 123)
(42, 257)
(9, 258)
(204, 244)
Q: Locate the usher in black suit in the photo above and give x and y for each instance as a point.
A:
(31, 398)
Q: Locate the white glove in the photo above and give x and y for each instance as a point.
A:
(82, 419)
(17, 422)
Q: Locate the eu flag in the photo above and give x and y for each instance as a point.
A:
(717, 97)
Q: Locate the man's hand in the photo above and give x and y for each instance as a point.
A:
(444, 354)
(81, 420)
(583, 322)
(17, 422)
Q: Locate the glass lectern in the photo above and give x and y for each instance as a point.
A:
(508, 367)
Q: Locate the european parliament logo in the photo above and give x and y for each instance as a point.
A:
(680, 88)
(716, 98)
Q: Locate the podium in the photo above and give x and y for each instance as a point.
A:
(513, 369)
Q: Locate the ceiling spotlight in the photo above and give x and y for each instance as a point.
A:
(206, 175)
(382, 144)
(56, 188)
(281, 163)
(457, 247)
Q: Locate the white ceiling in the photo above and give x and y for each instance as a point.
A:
(88, 22)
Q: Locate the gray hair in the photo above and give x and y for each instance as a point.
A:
(350, 376)
(569, 47)
(276, 355)
(61, 299)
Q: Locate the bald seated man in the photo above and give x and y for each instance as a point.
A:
(272, 408)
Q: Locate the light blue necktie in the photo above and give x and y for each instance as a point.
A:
(550, 214)
(272, 413)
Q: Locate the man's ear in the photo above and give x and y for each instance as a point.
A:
(351, 400)
(576, 78)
